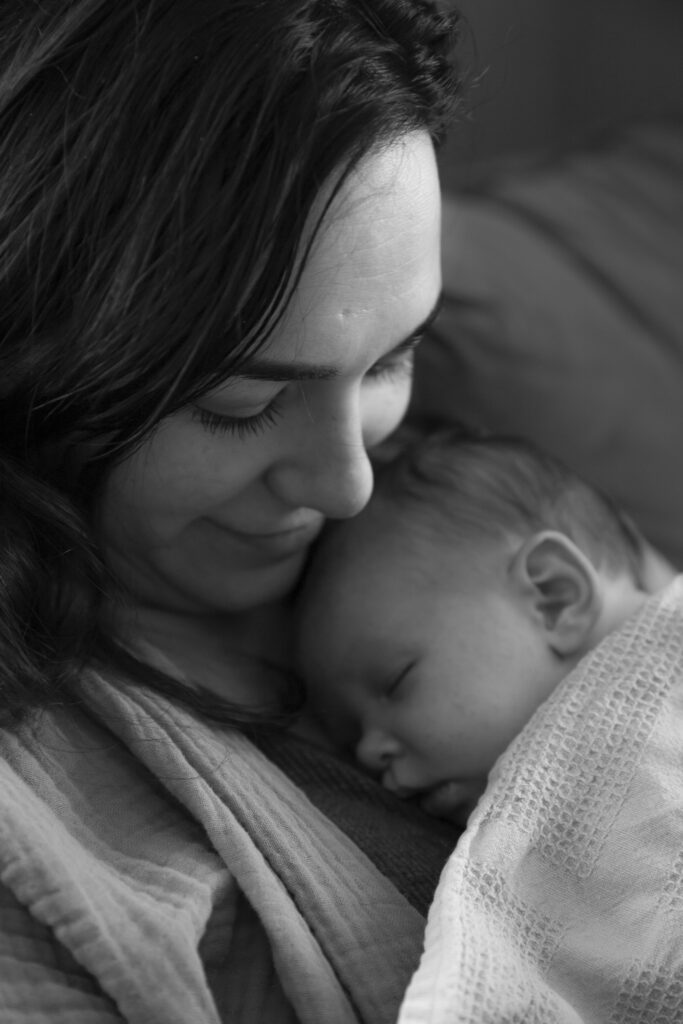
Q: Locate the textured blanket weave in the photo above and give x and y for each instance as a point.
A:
(563, 901)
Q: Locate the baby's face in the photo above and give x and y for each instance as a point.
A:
(423, 661)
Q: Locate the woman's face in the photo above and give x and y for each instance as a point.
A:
(216, 511)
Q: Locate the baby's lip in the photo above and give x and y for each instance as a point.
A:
(400, 789)
(404, 792)
(438, 797)
(453, 800)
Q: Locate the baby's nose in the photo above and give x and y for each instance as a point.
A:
(376, 750)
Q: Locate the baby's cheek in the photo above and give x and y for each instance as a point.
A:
(336, 724)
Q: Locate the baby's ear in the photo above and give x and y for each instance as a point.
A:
(561, 588)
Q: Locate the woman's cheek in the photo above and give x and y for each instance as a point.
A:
(151, 496)
(188, 467)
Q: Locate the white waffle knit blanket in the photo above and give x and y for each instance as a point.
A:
(563, 901)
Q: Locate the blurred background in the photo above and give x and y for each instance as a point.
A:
(551, 74)
(563, 245)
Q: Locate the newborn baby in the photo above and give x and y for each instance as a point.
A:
(434, 624)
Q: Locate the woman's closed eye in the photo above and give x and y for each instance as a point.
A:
(239, 426)
(396, 365)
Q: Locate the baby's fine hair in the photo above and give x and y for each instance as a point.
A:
(469, 487)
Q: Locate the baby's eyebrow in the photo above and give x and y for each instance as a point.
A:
(273, 370)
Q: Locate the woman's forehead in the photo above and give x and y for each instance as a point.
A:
(374, 267)
(389, 206)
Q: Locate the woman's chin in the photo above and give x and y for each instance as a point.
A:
(247, 589)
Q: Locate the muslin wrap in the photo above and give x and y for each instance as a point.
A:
(123, 827)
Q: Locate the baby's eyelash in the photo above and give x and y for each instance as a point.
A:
(239, 426)
(393, 686)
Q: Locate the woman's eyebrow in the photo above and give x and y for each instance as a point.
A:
(265, 369)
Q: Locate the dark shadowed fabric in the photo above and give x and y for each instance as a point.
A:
(408, 846)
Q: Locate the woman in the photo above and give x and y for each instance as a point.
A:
(220, 246)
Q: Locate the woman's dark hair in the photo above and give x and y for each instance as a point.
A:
(160, 160)
(464, 486)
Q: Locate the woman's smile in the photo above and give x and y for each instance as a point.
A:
(273, 545)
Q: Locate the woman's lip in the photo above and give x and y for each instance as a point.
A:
(306, 528)
(277, 542)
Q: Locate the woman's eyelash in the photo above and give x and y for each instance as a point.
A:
(239, 426)
(400, 366)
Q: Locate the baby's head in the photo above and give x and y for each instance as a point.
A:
(433, 624)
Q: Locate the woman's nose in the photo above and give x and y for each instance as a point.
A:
(328, 469)
(376, 750)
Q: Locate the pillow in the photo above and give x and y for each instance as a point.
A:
(563, 319)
